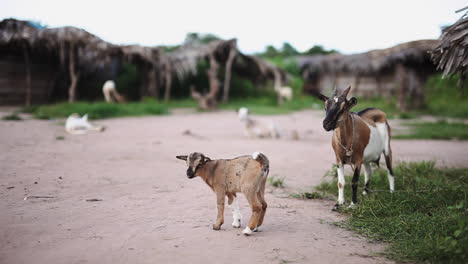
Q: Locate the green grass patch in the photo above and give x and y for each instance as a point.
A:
(424, 220)
(12, 117)
(269, 105)
(437, 130)
(98, 110)
(60, 138)
(307, 195)
(276, 182)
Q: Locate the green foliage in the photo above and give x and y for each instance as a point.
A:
(128, 81)
(319, 50)
(269, 105)
(437, 130)
(288, 50)
(60, 138)
(444, 99)
(100, 110)
(197, 38)
(425, 219)
(276, 182)
(12, 117)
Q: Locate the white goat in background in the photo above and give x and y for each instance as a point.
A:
(80, 125)
(255, 128)
(110, 92)
(284, 93)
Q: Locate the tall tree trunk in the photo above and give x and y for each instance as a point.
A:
(74, 76)
(208, 101)
(28, 74)
(227, 74)
(168, 82)
(277, 85)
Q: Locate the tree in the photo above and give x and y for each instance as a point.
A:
(319, 49)
(288, 50)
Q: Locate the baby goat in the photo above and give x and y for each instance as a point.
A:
(226, 177)
(359, 138)
(255, 128)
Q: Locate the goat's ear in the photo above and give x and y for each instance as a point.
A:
(321, 97)
(182, 157)
(351, 102)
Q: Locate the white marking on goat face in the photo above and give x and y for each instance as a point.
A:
(336, 99)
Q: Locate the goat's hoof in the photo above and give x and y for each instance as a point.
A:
(236, 224)
(352, 205)
(216, 227)
(336, 208)
(247, 231)
(366, 192)
(256, 229)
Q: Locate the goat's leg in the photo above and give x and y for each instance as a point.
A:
(341, 184)
(367, 178)
(355, 182)
(261, 198)
(220, 203)
(256, 212)
(236, 214)
(388, 162)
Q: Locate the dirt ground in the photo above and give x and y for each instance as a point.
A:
(147, 211)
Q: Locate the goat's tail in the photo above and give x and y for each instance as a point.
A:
(263, 161)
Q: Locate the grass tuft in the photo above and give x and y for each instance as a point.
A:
(307, 195)
(425, 220)
(276, 182)
(12, 117)
(98, 110)
(437, 130)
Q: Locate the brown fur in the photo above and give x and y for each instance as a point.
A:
(354, 140)
(228, 177)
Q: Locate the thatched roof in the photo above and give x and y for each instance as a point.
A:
(371, 62)
(184, 60)
(149, 55)
(451, 53)
(90, 48)
(14, 31)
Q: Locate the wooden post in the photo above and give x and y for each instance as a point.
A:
(168, 81)
(277, 85)
(208, 101)
(74, 76)
(227, 73)
(28, 74)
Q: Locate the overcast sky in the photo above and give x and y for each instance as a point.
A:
(348, 26)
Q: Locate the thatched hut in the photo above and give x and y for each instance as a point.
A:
(451, 53)
(43, 63)
(224, 54)
(35, 57)
(397, 71)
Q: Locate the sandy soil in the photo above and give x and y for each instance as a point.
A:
(149, 212)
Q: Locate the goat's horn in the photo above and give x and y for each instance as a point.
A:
(346, 91)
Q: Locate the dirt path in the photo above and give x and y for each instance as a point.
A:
(151, 213)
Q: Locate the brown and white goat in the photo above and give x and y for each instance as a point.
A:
(358, 139)
(226, 177)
